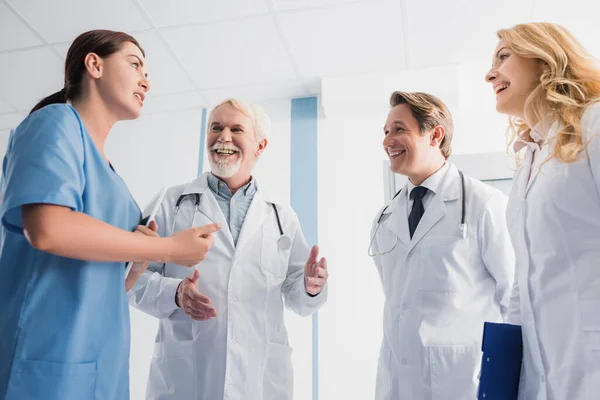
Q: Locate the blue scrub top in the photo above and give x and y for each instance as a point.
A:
(64, 324)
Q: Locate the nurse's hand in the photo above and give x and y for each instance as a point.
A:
(189, 247)
(191, 301)
(315, 273)
(138, 268)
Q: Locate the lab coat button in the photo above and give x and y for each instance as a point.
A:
(404, 306)
(543, 379)
(404, 362)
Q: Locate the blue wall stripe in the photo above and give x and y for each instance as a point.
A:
(303, 193)
(202, 143)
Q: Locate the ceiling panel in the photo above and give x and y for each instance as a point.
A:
(171, 102)
(69, 18)
(62, 49)
(260, 93)
(23, 80)
(164, 71)
(231, 53)
(452, 32)
(298, 4)
(580, 17)
(177, 12)
(14, 34)
(5, 107)
(366, 38)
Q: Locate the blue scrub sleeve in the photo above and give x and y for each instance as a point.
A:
(44, 164)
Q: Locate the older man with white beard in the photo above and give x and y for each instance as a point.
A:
(221, 333)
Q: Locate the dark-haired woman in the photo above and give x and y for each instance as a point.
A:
(69, 224)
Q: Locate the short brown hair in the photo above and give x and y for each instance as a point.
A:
(429, 111)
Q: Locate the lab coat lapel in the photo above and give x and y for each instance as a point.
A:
(258, 211)
(396, 219)
(436, 210)
(535, 165)
(209, 206)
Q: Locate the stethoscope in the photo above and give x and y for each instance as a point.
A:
(283, 243)
(383, 216)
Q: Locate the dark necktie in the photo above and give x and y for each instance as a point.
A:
(417, 211)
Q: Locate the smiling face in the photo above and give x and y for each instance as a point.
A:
(231, 143)
(408, 149)
(123, 82)
(513, 78)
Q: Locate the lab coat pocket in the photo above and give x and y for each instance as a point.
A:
(278, 374)
(52, 381)
(272, 258)
(172, 371)
(446, 263)
(454, 371)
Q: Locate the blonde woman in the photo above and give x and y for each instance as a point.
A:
(550, 86)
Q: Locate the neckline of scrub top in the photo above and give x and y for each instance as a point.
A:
(89, 136)
(107, 164)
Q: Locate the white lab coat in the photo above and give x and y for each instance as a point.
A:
(243, 353)
(554, 222)
(440, 287)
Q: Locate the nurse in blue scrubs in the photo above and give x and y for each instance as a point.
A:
(69, 225)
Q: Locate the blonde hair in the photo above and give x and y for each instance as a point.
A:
(429, 111)
(569, 83)
(261, 121)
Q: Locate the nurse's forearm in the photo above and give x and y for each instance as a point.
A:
(63, 232)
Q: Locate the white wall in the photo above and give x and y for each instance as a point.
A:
(149, 153)
(350, 192)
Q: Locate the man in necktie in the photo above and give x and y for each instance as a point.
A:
(442, 279)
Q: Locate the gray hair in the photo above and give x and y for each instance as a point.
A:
(261, 121)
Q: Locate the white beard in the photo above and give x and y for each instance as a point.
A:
(223, 169)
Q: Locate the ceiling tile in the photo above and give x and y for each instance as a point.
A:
(229, 54)
(62, 49)
(298, 4)
(366, 38)
(69, 18)
(171, 102)
(23, 82)
(580, 17)
(458, 31)
(177, 12)
(164, 71)
(313, 85)
(259, 93)
(5, 107)
(12, 120)
(14, 34)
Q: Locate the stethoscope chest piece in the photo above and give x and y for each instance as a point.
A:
(284, 243)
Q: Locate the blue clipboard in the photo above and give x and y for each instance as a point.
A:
(502, 347)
